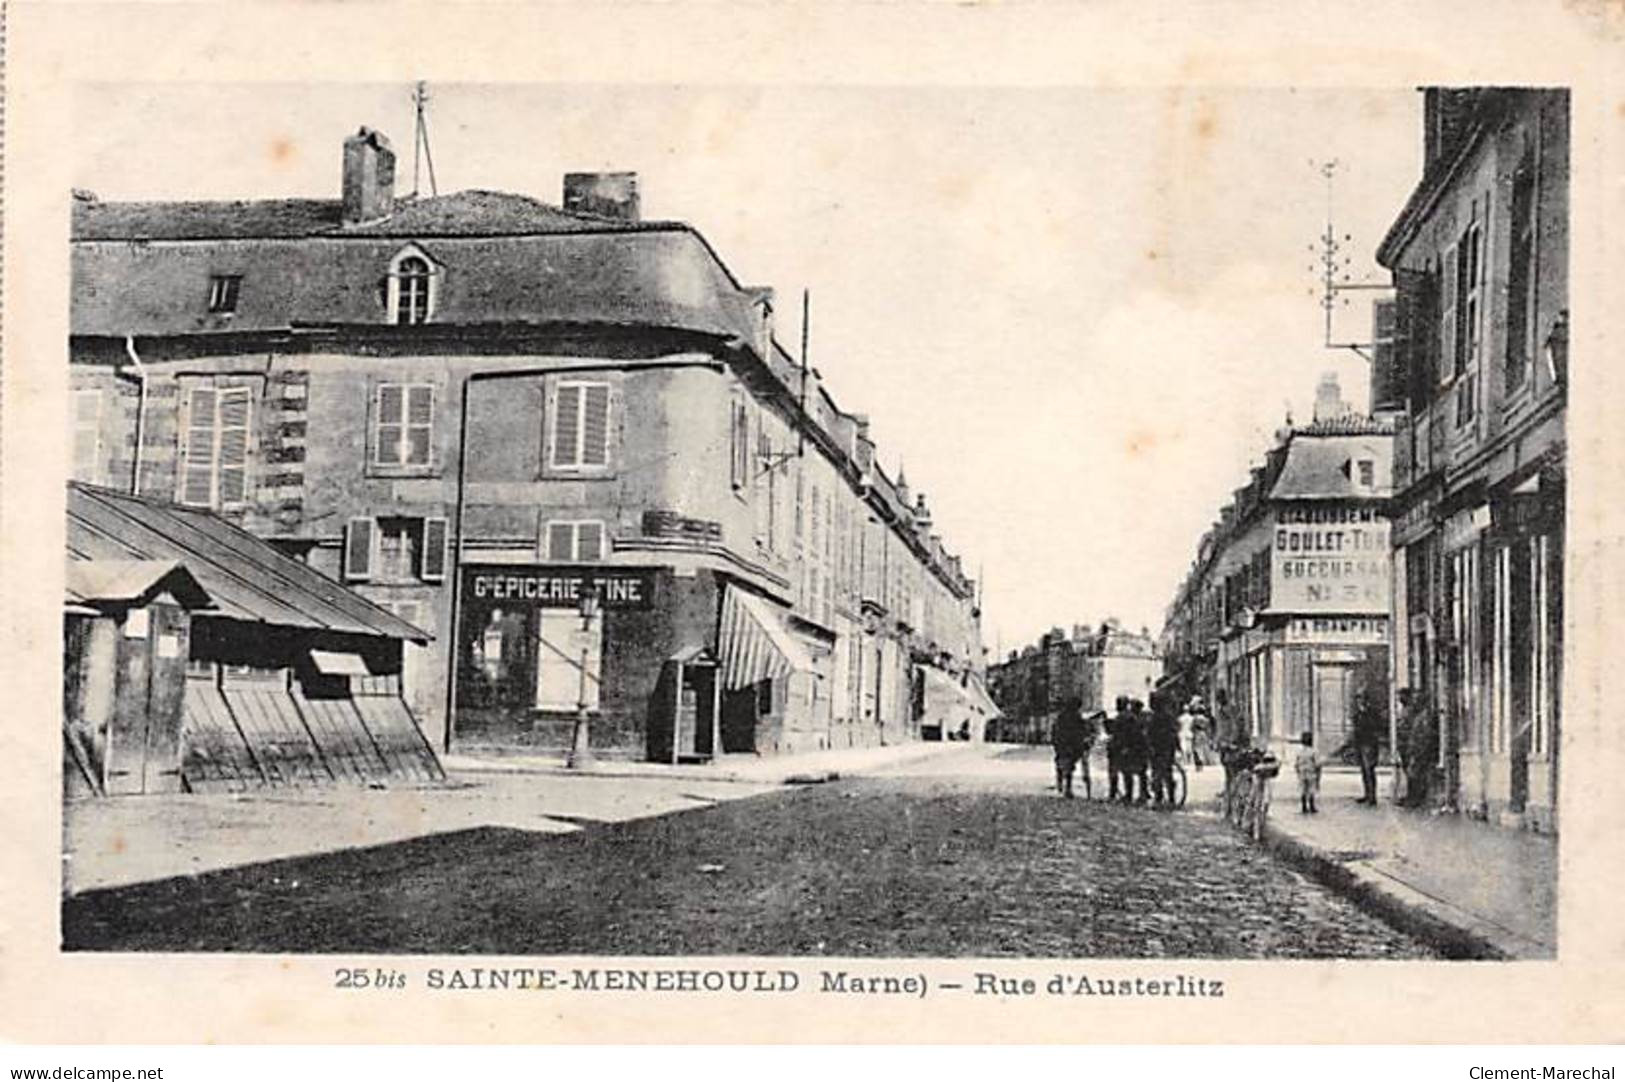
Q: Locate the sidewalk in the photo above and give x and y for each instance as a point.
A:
(120, 841)
(1474, 890)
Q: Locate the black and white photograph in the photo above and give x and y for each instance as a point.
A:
(821, 539)
(555, 542)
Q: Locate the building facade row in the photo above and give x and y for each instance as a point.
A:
(475, 409)
(1471, 365)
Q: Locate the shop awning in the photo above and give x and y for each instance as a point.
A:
(943, 695)
(337, 663)
(755, 644)
(981, 700)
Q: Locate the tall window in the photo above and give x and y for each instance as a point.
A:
(403, 424)
(395, 549)
(739, 470)
(214, 467)
(580, 425)
(1521, 277)
(575, 542)
(1469, 301)
(412, 290)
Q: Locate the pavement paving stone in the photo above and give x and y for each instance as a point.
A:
(969, 855)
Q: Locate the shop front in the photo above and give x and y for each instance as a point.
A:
(660, 664)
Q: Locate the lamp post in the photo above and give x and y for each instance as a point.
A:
(580, 757)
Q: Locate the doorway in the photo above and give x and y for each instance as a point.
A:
(1333, 725)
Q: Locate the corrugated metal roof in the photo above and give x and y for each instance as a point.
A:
(248, 578)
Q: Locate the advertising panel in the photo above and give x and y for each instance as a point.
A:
(1331, 557)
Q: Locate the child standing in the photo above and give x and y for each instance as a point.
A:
(1307, 765)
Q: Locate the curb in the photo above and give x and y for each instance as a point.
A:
(790, 774)
(1402, 908)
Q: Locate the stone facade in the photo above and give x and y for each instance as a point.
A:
(1479, 256)
(483, 381)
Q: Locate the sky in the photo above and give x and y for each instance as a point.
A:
(1075, 316)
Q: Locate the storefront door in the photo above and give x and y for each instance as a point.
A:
(1332, 724)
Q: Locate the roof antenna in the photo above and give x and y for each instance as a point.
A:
(1332, 266)
(420, 138)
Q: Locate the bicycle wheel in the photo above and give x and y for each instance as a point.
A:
(1180, 786)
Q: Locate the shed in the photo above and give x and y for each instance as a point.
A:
(283, 676)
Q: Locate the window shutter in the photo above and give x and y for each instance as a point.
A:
(590, 541)
(197, 471)
(419, 423)
(391, 421)
(560, 541)
(434, 550)
(736, 439)
(566, 424)
(595, 424)
(235, 405)
(87, 435)
(360, 542)
(1447, 317)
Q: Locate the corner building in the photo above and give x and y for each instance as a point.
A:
(1286, 606)
(1479, 256)
(472, 408)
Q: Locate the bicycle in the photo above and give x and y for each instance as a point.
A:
(1247, 792)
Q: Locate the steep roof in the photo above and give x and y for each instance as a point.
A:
(501, 259)
(247, 578)
(1324, 466)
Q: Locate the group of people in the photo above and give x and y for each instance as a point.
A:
(1141, 748)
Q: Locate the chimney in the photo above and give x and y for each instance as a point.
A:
(922, 513)
(1329, 404)
(863, 445)
(369, 177)
(606, 195)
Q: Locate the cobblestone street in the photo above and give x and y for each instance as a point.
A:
(956, 856)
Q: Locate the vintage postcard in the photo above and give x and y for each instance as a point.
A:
(739, 523)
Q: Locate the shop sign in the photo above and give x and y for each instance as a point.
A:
(560, 586)
(1464, 527)
(1339, 629)
(1332, 558)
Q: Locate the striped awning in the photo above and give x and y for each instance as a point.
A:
(981, 699)
(754, 643)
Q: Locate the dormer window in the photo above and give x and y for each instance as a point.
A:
(223, 290)
(412, 287)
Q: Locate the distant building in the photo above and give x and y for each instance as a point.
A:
(1479, 256)
(476, 408)
(1285, 609)
(1095, 666)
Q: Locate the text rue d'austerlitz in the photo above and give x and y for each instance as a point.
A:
(986, 983)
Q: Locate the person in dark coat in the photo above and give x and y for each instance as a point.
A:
(1162, 738)
(1071, 746)
(1369, 723)
(1133, 758)
(1116, 742)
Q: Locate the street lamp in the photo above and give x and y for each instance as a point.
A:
(580, 757)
